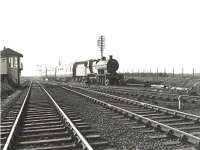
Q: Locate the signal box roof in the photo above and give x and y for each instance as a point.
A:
(6, 52)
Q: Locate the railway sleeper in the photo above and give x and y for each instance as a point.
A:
(43, 127)
(153, 115)
(189, 128)
(5, 130)
(88, 131)
(180, 123)
(39, 120)
(77, 120)
(54, 134)
(45, 137)
(39, 109)
(99, 144)
(171, 143)
(36, 131)
(81, 124)
(160, 136)
(148, 131)
(196, 133)
(4, 133)
(54, 140)
(41, 117)
(5, 126)
(11, 118)
(83, 127)
(57, 147)
(42, 123)
(93, 138)
(138, 127)
(36, 115)
(161, 117)
(164, 120)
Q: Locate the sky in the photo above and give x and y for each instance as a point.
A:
(140, 34)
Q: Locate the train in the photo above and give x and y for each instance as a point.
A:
(93, 71)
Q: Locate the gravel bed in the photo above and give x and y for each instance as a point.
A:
(193, 111)
(192, 108)
(11, 101)
(121, 136)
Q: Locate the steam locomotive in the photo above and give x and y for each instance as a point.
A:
(95, 71)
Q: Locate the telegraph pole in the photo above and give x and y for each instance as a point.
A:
(55, 72)
(101, 44)
(182, 72)
(157, 73)
(193, 72)
(46, 72)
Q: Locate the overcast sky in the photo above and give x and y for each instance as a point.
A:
(140, 34)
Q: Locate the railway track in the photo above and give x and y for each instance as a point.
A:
(14, 99)
(41, 123)
(185, 127)
(160, 94)
(151, 94)
(9, 114)
(185, 103)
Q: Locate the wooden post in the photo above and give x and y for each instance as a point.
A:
(157, 73)
(193, 72)
(18, 70)
(182, 72)
(179, 102)
(55, 72)
(46, 72)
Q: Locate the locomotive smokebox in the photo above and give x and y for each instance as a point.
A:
(112, 65)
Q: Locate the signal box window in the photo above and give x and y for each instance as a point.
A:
(12, 61)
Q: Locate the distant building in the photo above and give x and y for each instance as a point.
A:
(11, 66)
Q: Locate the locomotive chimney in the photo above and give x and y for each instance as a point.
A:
(110, 56)
(103, 58)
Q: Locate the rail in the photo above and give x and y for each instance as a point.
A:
(17, 120)
(179, 98)
(66, 118)
(181, 134)
(161, 93)
(168, 110)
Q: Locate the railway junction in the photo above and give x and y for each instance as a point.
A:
(88, 105)
(57, 115)
(100, 75)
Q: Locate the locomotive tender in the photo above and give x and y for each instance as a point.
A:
(95, 71)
